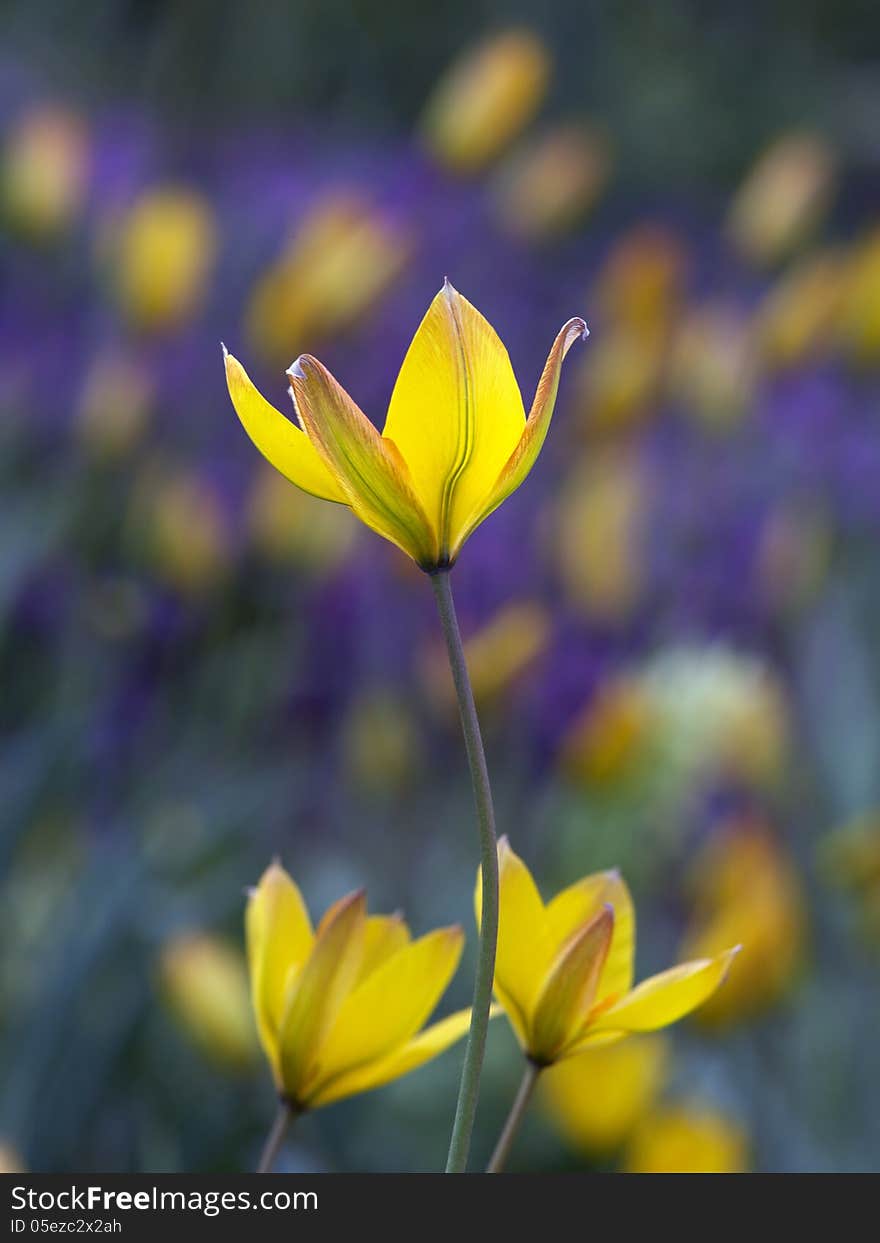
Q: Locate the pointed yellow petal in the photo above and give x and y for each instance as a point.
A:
(456, 413)
(369, 469)
(578, 904)
(422, 1048)
(390, 1006)
(279, 940)
(664, 998)
(570, 989)
(525, 452)
(524, 956)
(384, 935)
(279, 440)
(324, 982)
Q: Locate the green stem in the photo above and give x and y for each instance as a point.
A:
(469, 1089)
(514, 1119)
(275, 1138)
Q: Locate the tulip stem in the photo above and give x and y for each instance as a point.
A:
(469, 1089)
(276, 1137)
(514, 1119)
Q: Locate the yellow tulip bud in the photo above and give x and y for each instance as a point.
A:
(800, 316)
(383, 748)
(203, 981)
(114, 407)
(612, 737)
(178, 517)
(485, 99)
(163, 255)
(597, 1098)
(44, 172)
(784, 198)
(688, 1139)
(713, 367)
(547, 189)
(336, 267)
(599, 534)
(859, 322)
(746, 886)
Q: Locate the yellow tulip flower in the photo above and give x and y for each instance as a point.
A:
(564, 970)
(597, 1098)
(456, 440)
(690, 1138)
(339, 1009)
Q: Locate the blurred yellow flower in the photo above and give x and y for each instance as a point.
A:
(713, 365)
(204, 983)
(339, 262)
(564, 971)
(641, 284)
(11, 1161)
(800, 317)
(382, 742)
(485, 99)
(746, 887)
(611, 736)
(621, 386)
(44, 172)
(598, 541)
(598, 1097)
(688, 1139)
(340, 1009)
(859, 321)
(545, 190)
(497, 655)
(178, 517)
(424, 487)
(850, 856)
(784, 198)
(289, 526)
(114, 407)
(162, 257)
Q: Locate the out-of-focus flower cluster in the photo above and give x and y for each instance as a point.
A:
(667, 629)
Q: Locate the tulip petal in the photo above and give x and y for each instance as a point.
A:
(390, 1006)
(578, 904)
(422, 1048)
(323, 985)
(384, 935)
(523, 955)
(279, 440)
(369, 469)
(456, 413)
(279, 940)
(570, 988)
(525, 452)
(666, 997)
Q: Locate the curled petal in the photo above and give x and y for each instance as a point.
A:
(578, 904)
(570, 989)
(527, 448)
(279, 440)
(368, 468)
